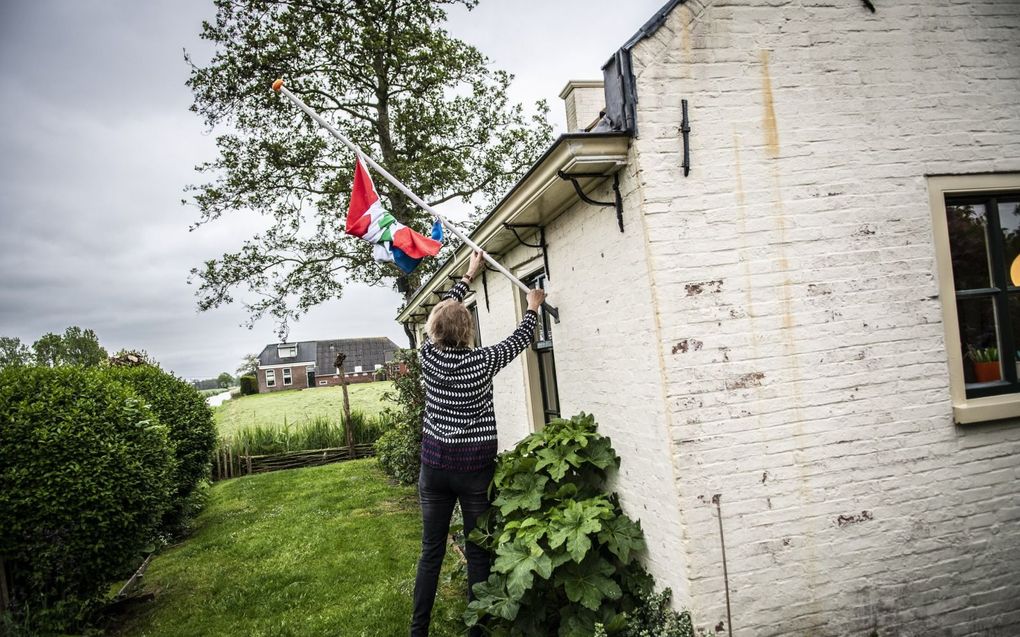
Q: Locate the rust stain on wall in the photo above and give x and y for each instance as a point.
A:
(769, 115)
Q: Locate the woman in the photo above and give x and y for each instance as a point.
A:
(458, 449)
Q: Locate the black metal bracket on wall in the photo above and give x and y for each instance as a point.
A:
(685, 129)
(618, 199)
(541, 245)
(485, 286)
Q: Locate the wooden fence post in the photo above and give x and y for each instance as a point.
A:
(5, 600)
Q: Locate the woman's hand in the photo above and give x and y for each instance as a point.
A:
(475, 265)
(535, 299)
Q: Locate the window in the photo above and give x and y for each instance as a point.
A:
(545, 361)
(977, 235)
(270, 378)
(473, 308)
(322, 382)
(288, 351)
(357, 369)
(287, 380)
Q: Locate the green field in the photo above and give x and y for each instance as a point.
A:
(299, 407)
(322, 551)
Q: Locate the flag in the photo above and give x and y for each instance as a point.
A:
(393, 241)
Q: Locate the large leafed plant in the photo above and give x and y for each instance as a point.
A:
(565, 551)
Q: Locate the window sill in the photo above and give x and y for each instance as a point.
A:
(985, 409)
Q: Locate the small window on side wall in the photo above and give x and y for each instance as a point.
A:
(977, 236)
(287, 378)
(270, 378)
(544, 356)
(473, 308)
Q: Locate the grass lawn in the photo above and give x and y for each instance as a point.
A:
(299, 406)
(321, 551)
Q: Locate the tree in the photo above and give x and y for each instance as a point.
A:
(387, 74)
(13, 353)
(76, 347)
(48, 350)
(225, 380)
(249, 365)
(81, 347)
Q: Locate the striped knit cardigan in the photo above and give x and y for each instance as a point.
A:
(459, 432)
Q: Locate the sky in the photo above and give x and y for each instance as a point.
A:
(98, 146)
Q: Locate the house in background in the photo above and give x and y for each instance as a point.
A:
(311, 363)
(783, 341)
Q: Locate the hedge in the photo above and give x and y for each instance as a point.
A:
(249, 385)
(87, 471)
(190, 426)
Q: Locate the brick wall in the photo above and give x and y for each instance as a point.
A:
(299, 379)
(798, 313)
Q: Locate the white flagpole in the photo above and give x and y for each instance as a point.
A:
(280, 88)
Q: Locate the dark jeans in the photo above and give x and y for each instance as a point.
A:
(438, 491)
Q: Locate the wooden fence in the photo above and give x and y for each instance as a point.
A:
(230, 465)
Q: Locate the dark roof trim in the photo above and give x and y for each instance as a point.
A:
(618, 74)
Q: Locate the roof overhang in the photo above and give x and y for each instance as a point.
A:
(537, 199)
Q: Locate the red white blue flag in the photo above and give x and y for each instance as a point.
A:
(393, 241)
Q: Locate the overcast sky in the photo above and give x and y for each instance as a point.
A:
(98, 144)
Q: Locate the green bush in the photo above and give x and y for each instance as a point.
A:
(87, 473)
(565, 551)
(190, 426)
(249, 385)
(653, 617)
(399, 448)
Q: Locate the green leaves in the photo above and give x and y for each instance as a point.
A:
(492, 598)
(565, 550)
(589, 583)
(520, 562)
(621, 535)
(523, 493)
(575, 522)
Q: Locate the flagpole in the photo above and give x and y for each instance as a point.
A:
(280, 88)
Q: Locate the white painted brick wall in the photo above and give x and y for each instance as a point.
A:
(607, 359)
(794, 285)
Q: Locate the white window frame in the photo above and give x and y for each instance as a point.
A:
(357, 369)
(288, 377)
(965, 410)
(323, 383)
(291, 351)
(270, 378)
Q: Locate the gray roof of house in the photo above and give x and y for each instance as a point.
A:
(364, 352)
(271, 356)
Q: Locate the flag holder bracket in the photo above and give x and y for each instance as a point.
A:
(617, 199)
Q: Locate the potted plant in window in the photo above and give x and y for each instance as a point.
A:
(986, 364)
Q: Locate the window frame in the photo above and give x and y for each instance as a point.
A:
(270, 378)
(288, 376)
(975, 408)
(538, 350)
(473, 309)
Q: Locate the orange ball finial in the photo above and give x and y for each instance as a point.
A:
(277, 84)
